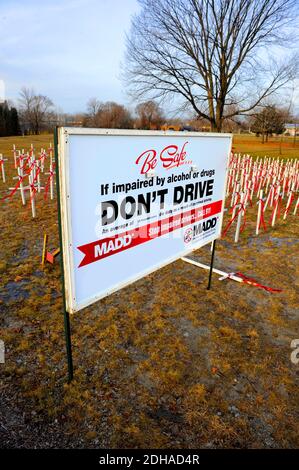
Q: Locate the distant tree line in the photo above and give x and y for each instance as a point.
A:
(147, 115)
(9, 120)
(36, 113)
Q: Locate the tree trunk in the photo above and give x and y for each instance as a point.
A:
(216, 126)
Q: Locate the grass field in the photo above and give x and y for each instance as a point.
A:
(276, 146)
(244, 143)
(163, 363)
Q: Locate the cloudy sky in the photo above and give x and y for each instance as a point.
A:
(69, 50)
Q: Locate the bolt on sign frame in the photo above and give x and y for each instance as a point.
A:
(131, 202)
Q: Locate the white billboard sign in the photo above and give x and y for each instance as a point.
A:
(134, 201)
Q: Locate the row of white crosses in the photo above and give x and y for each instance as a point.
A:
(28, 166)
(269, 180)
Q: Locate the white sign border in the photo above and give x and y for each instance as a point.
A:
(65, 209)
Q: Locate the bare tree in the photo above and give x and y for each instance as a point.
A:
(93, 113)
(149, 115)
(93, 107)
(270, 120)
(215, 55)
(35, 110)
(114, 115)
(108, 115)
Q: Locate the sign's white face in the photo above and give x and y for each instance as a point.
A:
(134, 201)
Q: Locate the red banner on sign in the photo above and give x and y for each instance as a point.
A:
(100, 249)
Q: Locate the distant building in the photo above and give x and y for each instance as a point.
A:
(291, 129)
(171, 127)
(178, 127)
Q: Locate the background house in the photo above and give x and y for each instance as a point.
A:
(291, 129)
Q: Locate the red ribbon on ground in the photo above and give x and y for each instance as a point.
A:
(253, 282)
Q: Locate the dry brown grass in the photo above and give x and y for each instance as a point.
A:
(277, 146)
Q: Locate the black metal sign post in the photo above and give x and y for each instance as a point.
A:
(211, 264)
(66, 315)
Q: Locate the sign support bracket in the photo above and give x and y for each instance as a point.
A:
(66, 315)
(204, 266)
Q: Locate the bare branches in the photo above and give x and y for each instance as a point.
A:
(34, 109)
(107, 115)
(93, 107)
(149, 115)
(211, 53)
